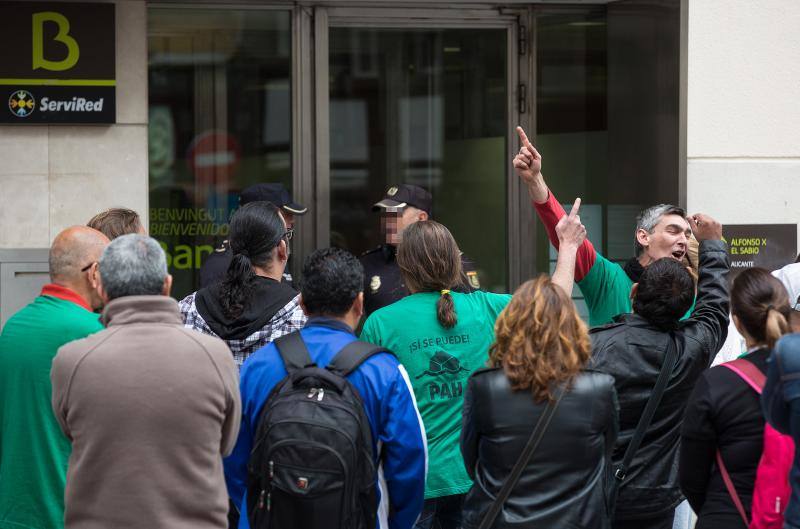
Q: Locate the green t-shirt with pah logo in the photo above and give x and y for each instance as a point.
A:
(439, 361)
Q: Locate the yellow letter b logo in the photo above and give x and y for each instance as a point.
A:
(73, 51)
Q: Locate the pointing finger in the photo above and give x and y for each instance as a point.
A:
(575, 207)
(523, 138)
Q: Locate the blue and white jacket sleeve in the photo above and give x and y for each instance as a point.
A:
(404, 462)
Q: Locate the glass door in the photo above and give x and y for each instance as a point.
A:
(424, 101)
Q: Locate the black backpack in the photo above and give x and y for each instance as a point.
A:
(312, 464)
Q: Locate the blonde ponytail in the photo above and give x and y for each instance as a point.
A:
(776, 326)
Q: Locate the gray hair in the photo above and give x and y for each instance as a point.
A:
(649, 219)
(133, 265)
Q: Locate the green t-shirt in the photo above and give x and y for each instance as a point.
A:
(607, 291)
(439, 361)
(33, 450)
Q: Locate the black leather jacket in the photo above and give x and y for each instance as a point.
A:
(632, 351)
(564, 483)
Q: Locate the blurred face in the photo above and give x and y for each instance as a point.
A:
(669, 239)
(288, 218)
(394, 222)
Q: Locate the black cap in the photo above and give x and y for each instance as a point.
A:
(405, 195)
(275, 193)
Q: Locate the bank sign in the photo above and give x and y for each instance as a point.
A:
(58, 63)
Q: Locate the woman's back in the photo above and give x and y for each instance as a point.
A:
(724, 414)
(439, 362)
(563, 485)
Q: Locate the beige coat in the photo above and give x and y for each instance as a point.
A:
(150, 407)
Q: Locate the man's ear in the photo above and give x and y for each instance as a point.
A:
(167, 288)
(283, 251)
(303, 305)
(94, 276)
(423, 215)
(634, 290)
(643, 238)
(358, 305)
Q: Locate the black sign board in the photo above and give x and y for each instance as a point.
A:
(769, 246)
(58, 63)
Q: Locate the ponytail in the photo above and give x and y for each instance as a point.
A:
(446, 310)
(236, 285)
(256, 229)
(776, 326)
(761, 304)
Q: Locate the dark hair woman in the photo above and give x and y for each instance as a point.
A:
(724, 412)
(250, 306)
(441, 337)
(541, 344)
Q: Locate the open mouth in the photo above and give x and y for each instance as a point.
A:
(678, 254)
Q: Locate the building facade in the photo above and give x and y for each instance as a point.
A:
(631, 102)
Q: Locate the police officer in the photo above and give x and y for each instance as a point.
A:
(216, 264)
(402, 206)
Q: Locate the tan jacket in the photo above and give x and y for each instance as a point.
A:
(150, 407)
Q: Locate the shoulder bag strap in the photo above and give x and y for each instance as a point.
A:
(731, 489)
(748, 372)
(353, 355)
(522, 462)
(649, 410)
(293, 351)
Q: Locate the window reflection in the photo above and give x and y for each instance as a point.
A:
(426, 107)
(219, 121)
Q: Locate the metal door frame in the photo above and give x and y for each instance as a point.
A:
(317, 22)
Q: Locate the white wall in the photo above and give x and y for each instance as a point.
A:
(55, 176)
(744, 110)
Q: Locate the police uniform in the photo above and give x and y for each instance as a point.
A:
(383, 284)
(216, 264)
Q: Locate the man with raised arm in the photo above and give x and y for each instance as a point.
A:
(661, 231)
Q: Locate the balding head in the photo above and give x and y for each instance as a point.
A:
(73, 249)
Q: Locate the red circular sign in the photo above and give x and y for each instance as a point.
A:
(213, 156)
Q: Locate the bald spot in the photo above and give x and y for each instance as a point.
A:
(73, 249)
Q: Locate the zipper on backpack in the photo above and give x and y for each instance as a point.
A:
(316, 392)
(271, 475)
(778, 505)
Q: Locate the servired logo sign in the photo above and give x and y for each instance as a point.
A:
(63, 68)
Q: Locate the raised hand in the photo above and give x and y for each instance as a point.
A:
(704, 227)
(569, 229)
(528, 165)
(528, 162)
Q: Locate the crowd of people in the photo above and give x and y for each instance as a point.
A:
(414, 400)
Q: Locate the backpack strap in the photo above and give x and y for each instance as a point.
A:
(293, 351)
(731, 489)
(353, 355)
(748, 372)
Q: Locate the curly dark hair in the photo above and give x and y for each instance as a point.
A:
(332, 279)
(665, 292)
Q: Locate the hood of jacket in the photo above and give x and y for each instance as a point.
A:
(267, 298)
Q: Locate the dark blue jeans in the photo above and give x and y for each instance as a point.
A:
(441, 513)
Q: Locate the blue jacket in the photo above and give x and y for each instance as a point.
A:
(780, 402)
(398, 435)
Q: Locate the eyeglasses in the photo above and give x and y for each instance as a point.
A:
(289, 234)
(88, 266)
